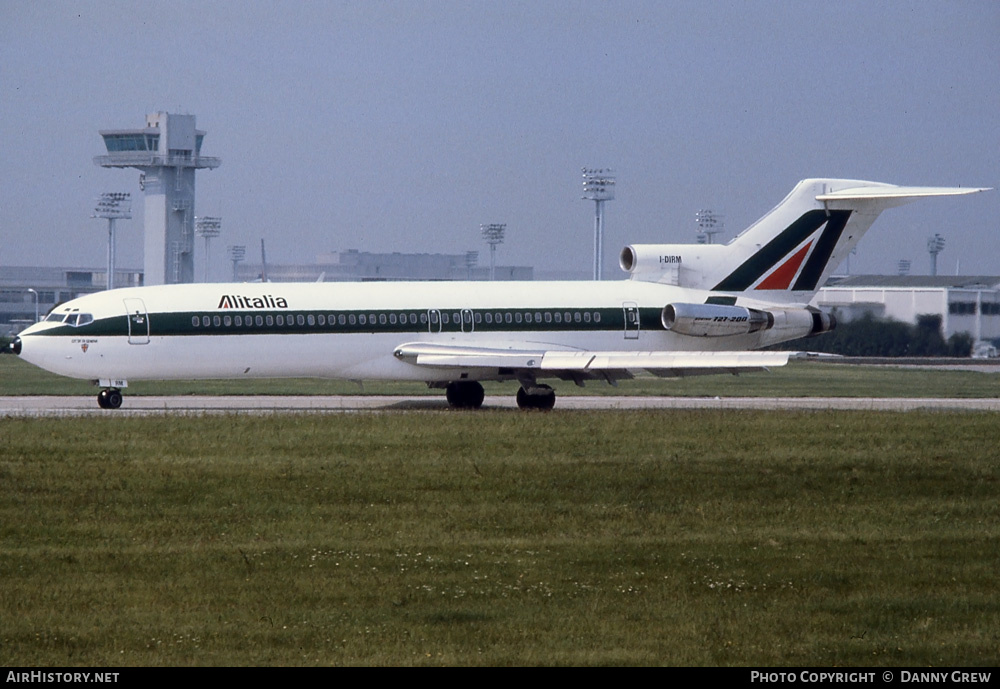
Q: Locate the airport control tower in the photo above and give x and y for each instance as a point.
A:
(167, 152)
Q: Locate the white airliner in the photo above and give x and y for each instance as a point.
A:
(686, 309)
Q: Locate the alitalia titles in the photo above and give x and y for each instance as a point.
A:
(267, 301)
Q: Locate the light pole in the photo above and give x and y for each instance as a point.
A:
(935, 245)
(113, 206)
(709, 225)
(208, 228)
(35, 294)
(493, 234)
(236, 255)
(598, 186)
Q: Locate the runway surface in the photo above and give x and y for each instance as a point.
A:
(181, 405)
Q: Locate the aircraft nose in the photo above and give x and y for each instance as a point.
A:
(15, 346)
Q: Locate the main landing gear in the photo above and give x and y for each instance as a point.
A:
(109, 398)
(538, 396)
(468, 394)
(465, 394)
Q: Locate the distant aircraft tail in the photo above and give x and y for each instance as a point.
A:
(790, 252)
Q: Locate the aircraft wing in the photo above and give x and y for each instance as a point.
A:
(578, 365)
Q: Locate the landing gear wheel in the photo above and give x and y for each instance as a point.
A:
(109, 398)
(465, 394)
(541, 397)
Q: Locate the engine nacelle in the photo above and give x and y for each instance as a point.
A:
(674, 264)
(714, 320)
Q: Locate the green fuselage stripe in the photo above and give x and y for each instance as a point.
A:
(356, 321)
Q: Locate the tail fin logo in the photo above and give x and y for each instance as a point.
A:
(782, 276)
(775, 266)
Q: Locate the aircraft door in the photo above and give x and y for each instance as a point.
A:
(468, 323)
(631, 310)
(138, 321)
(433, 321)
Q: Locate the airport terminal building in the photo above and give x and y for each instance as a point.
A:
(27, 291)
(969, 304)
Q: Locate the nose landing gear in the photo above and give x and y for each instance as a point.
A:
(109, 398)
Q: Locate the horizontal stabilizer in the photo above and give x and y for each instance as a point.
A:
(888, 192)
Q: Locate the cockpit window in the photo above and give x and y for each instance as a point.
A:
(73, 318)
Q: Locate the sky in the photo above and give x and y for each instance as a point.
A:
(405, 125)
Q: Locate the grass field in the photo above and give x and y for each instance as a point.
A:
(798, 379)
(501, 537)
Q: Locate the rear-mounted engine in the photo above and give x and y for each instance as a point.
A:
(714, 320)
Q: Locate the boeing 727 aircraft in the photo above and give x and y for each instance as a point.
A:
(685, 310)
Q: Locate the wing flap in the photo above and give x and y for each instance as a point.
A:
(558, 361)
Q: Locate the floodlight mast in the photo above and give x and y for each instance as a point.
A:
(113, 206)
(493, 234)
(709, 224)
(598, 186)
(935, 245)
(208, 227)
(237, 254)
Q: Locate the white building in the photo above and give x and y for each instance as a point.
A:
(966, 304)
(353, 265)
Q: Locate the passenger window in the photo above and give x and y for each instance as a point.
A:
(195, 321)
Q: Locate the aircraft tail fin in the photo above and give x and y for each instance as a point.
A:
(791, 251)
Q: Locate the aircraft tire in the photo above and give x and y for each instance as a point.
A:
(102, 399)
(543, 401)
(465, 394)
(114, 398)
